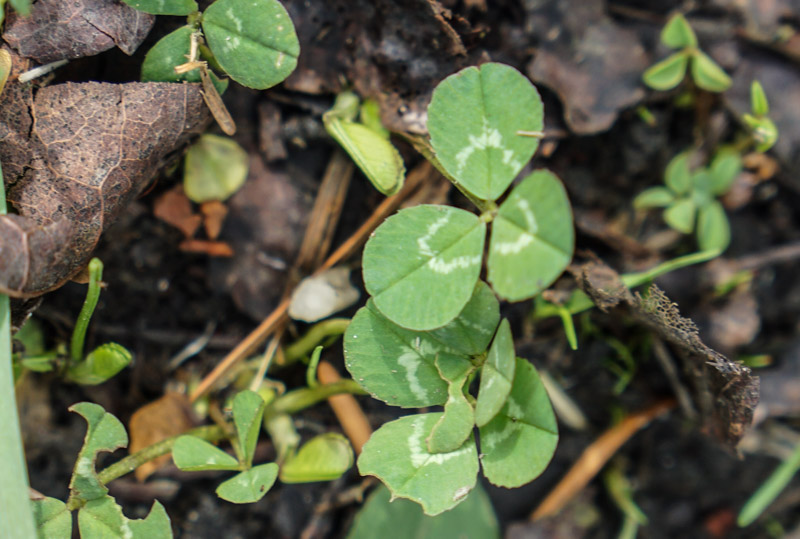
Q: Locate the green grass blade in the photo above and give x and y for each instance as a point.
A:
(17, 520)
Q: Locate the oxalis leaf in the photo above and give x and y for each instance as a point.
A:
(248, 408)
(253, 40)
(532, 238)
(519, 442)
(474, 119)
(103, 518)
(104, 433)
(164, 7)
(396, 454)
(193, 455)
(497, 376)
(397, 365)
(249, 486)
(421, 264)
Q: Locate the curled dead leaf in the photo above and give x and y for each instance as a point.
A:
(91, 149)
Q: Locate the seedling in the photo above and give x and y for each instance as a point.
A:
(762, 128)
(690, 197)
(668, 73)
(101, 364)
(366, 142)
(431, 325)
(322, 458)
(98, 513)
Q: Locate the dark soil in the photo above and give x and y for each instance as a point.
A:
(159, 298)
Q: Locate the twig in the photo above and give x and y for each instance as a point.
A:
(278, 316)
(348, 412)
(595, 457)
(668, 366)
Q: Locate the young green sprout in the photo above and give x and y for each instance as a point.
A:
(689, 197)
(668, 73)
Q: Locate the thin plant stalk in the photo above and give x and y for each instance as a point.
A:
(16, 518)
(89, 305)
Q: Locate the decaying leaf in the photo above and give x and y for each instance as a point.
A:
(591, 62)
(168, 416)
(724, 391)
(174, 208)
(58, 30)
(91, 149)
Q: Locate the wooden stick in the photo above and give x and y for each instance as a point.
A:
(278, 316)
(595, 457)
(347, 410)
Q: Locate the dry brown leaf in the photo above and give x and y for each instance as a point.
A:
(91, 149)
(207, 247)
(174, 208)
(58, 30)
(592, 63)
(161, 419)
(214, 213)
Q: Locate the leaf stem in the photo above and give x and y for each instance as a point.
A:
(209, 433)
(302, 398)
(303, 346)
(292, 402)
(17, 522)
(89, 305)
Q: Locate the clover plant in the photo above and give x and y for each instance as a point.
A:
(324, 457)
(432, 325)
(668, 73)
(252, 41)
(98, 513)
(690, 197)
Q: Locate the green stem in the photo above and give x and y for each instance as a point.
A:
(311, 371)
(632, 280)
(292, 402)
(85, 316)
(303, 346)
(17, 519)
(209, 433)
(767, 492)
(303, 398)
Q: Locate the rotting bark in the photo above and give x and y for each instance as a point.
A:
(725, 392)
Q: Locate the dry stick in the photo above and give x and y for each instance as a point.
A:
(664, 359)
(326, 212)
(348, 412)
(595, 457)
(386, 208)
(265, 328)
